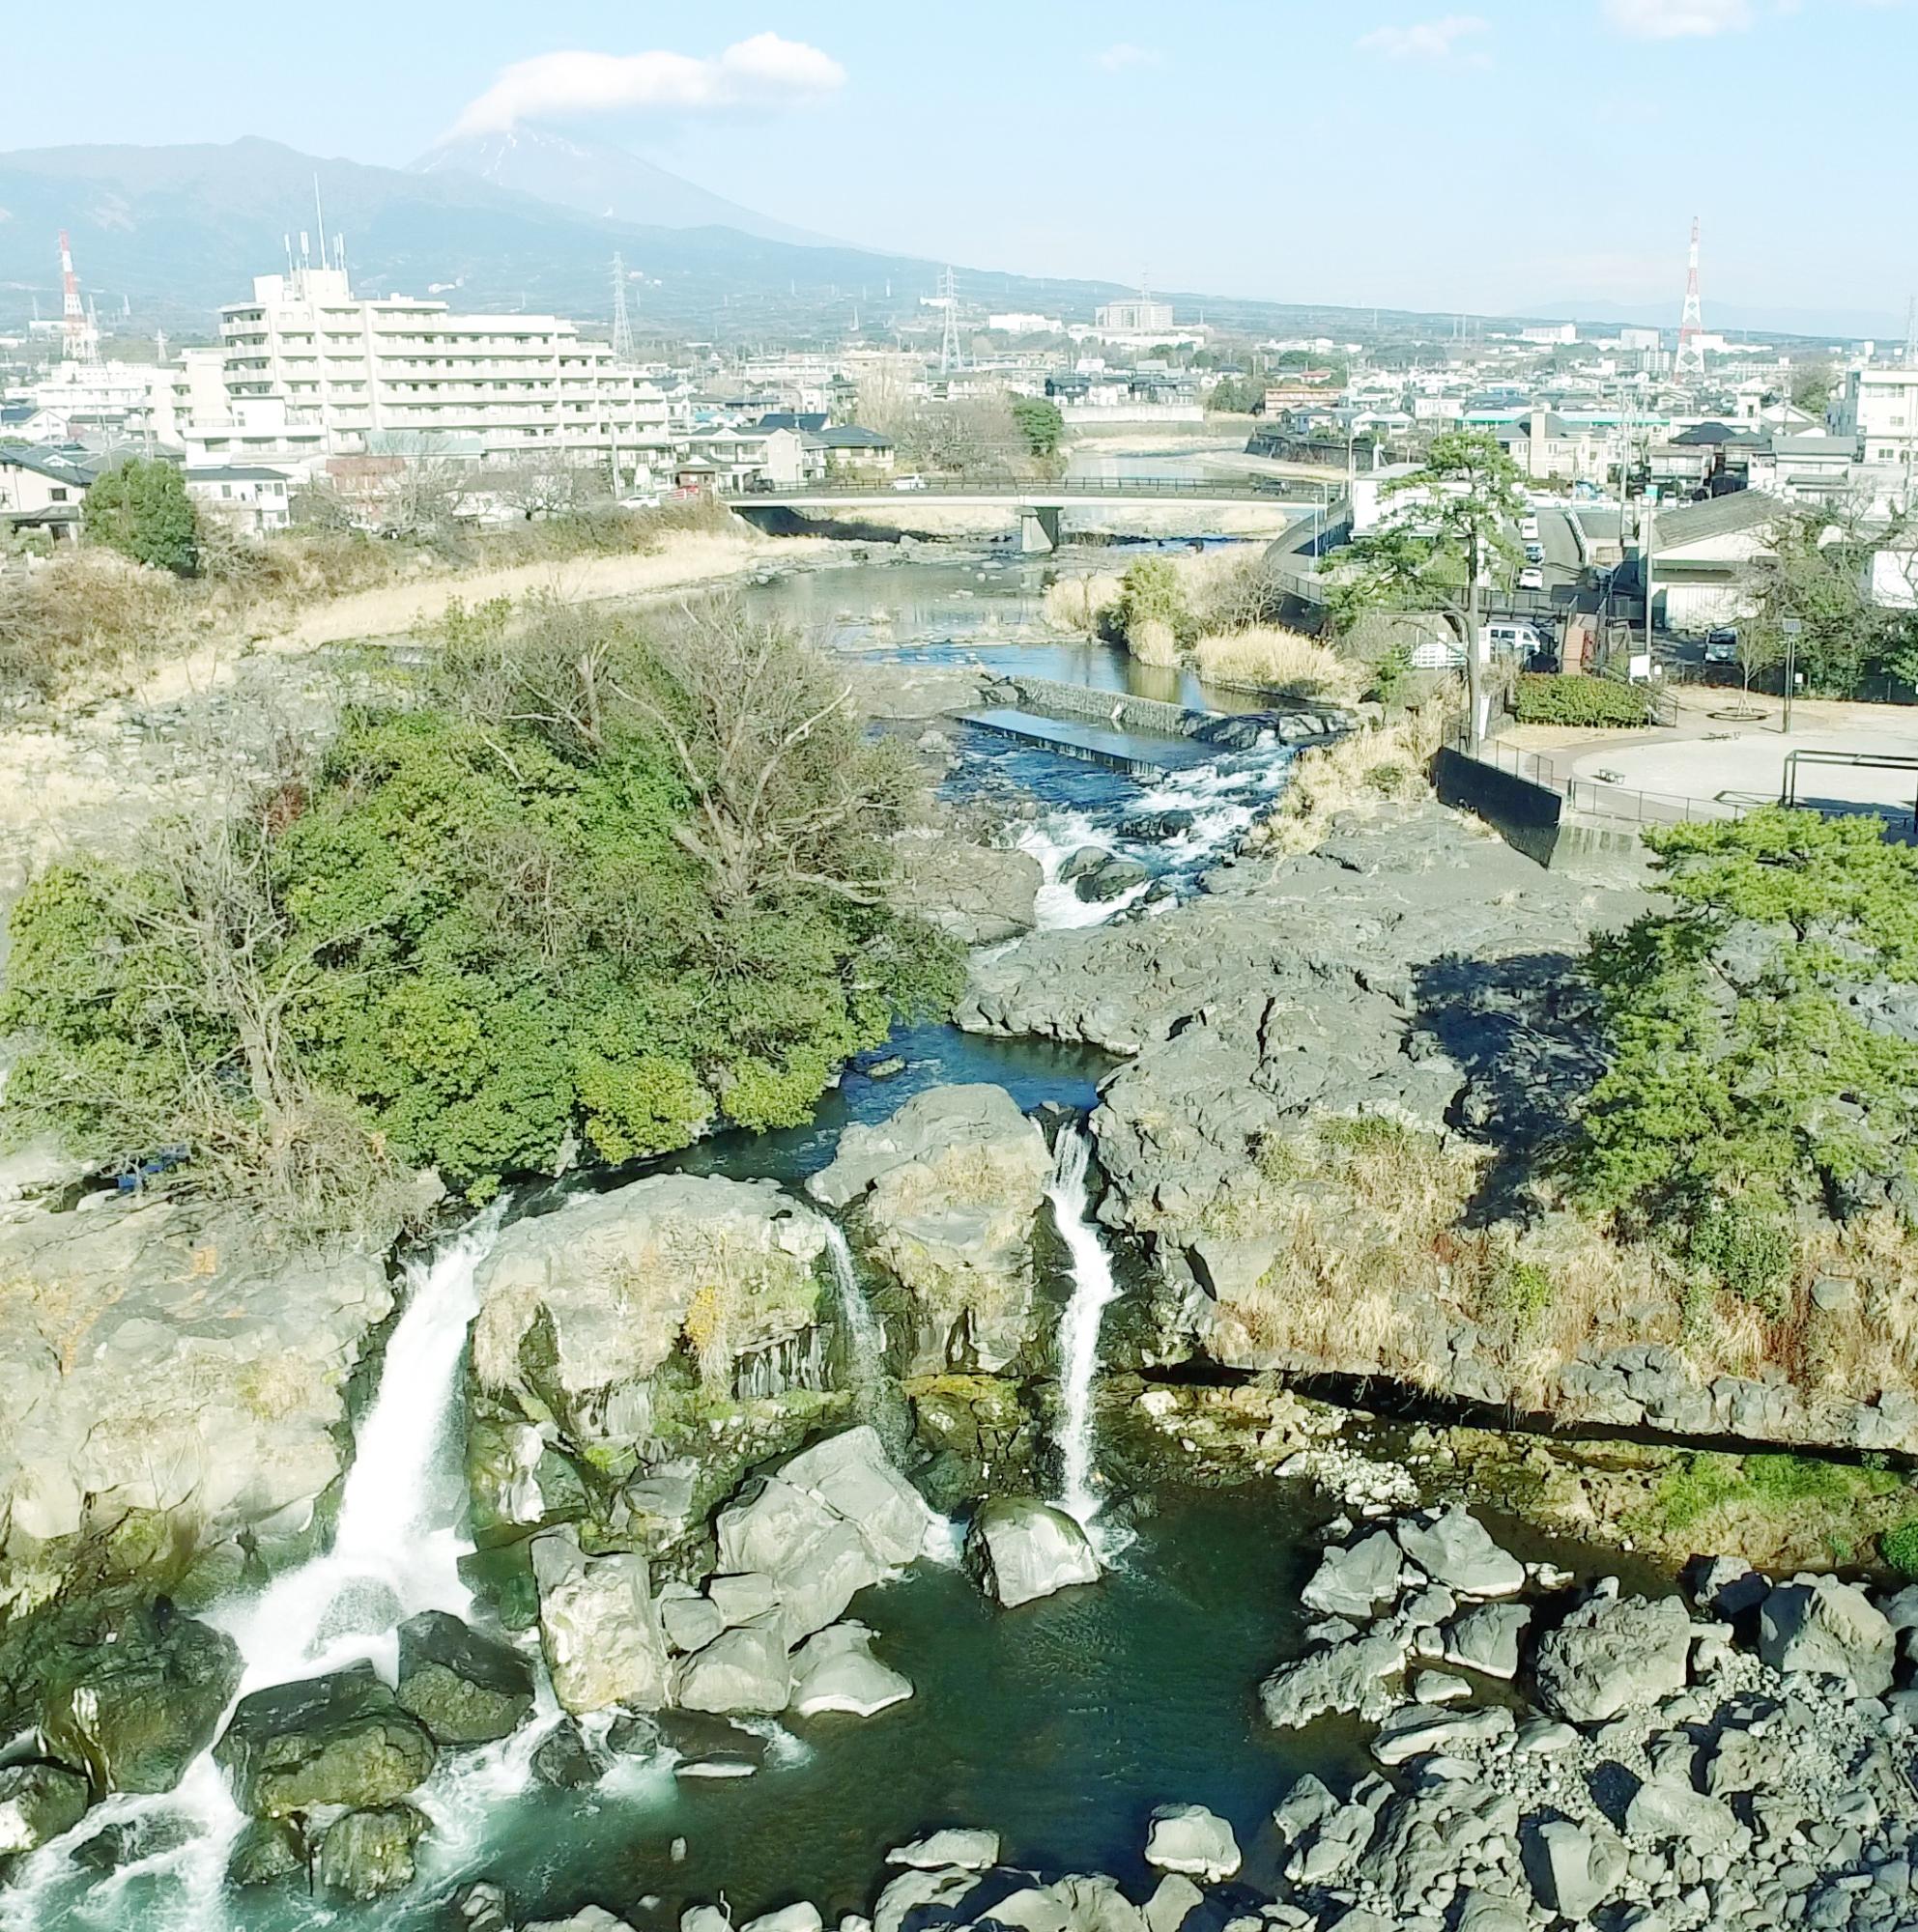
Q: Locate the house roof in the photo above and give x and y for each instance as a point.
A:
(57, 465)
(806, 419)
(1720, 516)
(235, 472)
(850, 436)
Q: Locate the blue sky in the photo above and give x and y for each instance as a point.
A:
(1485, 154)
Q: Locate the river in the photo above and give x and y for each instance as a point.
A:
(1061, 1724)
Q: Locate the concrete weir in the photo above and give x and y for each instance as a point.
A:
(1118, 751)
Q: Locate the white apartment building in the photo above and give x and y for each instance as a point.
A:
(1880, 407)
(309, 371)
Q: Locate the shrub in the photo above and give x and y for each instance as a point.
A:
(1899, 1546)
(1747, 1250)
(1390, 673)
(1522, 1290)
(1150, 593)
(1268, 659)
(1081, 604)
(1390, 780)
(1546, 698)
(1154, 642)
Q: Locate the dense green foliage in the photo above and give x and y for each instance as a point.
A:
(585, 885)
(1150, 592)
(1757, 1069)
(1815, 573)
(1236, 395)
(142, 510)
(1039, 423)
(1696, 1484)
(1899, 1546)
(1544, 698)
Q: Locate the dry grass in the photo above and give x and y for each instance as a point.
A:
(1358, 772)
(89, 614)
(1079, 604)
(1152, 643)
(1283, 663)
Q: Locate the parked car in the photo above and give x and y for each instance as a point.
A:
(1721, 646)
(1513, 640)
(1534, 552)
(908, 482)
(1532, 577)
(1529, 531)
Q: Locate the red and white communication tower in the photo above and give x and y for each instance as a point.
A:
(79, 340)
(1691, 331)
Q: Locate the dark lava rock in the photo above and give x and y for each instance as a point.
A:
(128, 1690)
(565, 1761)
(38, 1801)
(1149, 827)
(1109, 881)
(339, 1740)
(465, 1688)
(267, 1851)
(367, 1854)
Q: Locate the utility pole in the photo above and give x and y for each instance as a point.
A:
(1650, 536)
(1791, 627)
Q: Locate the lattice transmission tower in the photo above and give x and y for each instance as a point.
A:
(950, 357)
(622, 322)
(1691, 329)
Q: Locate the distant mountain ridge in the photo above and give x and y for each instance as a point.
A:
(598, 179)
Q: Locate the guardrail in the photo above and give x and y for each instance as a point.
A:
(1604, 798)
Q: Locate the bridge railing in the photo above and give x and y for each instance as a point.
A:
(1274, 490)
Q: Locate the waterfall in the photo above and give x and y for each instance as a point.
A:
(396, 1547)
(1093, 1287)
(880, 1401)
(865, 1338)
(395, 1551)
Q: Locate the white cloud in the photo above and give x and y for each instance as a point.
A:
(1679, 19)
(1123, 54)
(1427, 40)
(765, 70)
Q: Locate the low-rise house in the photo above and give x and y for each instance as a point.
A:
(252, 497)
(44, 486)
(1805, 468)
(847, 446)
(1701, 561)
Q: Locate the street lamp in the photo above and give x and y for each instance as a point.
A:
(1790, 627)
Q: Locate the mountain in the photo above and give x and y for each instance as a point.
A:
(176, 231)
(598, 179)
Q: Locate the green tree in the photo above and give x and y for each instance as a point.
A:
(1812, 384)
(1814, 571)
(1040, 424)
(142, 510)
(1455, 526)
(1237, 395)
(1757, 1065)
(594, 883)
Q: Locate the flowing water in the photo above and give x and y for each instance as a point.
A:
(1061, 1724)
(1093, 1291)
(395, 1553)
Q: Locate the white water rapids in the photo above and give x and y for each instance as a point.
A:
(395, 1553)
(1093, 1291)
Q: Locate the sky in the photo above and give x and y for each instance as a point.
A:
(1495, 156)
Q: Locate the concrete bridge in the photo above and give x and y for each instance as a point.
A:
(1038, 505)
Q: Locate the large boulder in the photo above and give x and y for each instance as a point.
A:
(1828, 1628)
(1344, 1677)
(128, 1690)
(1573, 1869)
(580, 1309)
(978, 893)
(945, 1193)
(169, 1380)
(1190, 1840)
(1453, 1548)
(367, 1854)
(465, 1688)
(741, 1672)
(1352, 1582)
(339, 1740)
(836, 1670)
(1019, 1548)
(598, 1626)
(1613, 1655)
(38, 1801)
(833, 1519)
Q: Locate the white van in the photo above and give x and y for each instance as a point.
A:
(1528, 530)
(1511, 640)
